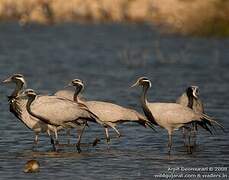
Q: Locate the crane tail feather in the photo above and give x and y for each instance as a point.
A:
(210, 121)
(149, 124)
(204, 125)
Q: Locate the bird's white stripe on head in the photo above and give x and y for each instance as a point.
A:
(195, 92)
(28, 91)
(77, 82)
(22, 80)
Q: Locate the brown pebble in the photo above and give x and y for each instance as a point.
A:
(95, 142)
(31, 166)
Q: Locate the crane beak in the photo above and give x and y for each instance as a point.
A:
(135, 84)
(69, 85)
(8, 80)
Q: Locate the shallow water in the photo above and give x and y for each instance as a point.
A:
(109, 58)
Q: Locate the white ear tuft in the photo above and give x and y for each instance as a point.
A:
(22, 80)
(195, 92)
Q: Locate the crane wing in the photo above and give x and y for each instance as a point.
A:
(58, 110)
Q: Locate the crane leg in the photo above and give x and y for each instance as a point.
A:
(79, 138)
(113, 127)
(189, 134)
(107, 135)
(170, 143)
(184, 135)
(189, 141)
(68, 133)
(56, 136)
(194, 133)
(35, 143)
(53, 143)
(78, 131)
(51, 140)
(36, 139)
(116, 130)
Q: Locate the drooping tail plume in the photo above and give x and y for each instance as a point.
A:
(209, 121)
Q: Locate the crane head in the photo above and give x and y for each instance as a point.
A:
(30, 93)
(16, 78)
(142, 81)
(77, 83)
(193, 91)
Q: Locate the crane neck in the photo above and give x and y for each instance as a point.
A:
(190, 101)
(145, 103)
(76, 94)
(18, 88)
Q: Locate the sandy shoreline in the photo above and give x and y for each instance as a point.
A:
(180, 16)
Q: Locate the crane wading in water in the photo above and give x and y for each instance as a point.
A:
(58, 111)
(18, 108)
(170, 116)
(190, 98)
(109, 114)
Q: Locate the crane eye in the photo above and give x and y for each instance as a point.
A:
(147, 81)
